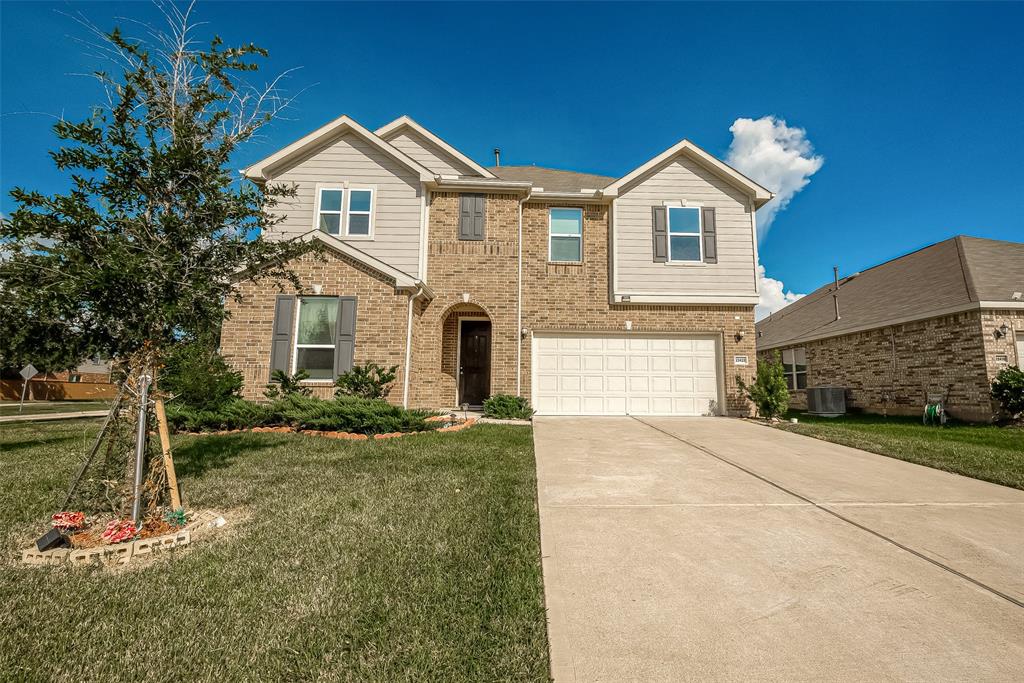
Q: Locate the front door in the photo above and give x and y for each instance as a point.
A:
(474, 361)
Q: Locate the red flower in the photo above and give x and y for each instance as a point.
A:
(67, 521)
(118, 530)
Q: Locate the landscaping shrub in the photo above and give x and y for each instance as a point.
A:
(366, 381)
(282, 384)
(236, 413)
(199, 377)
(1008, 390)
(768, 393)
(507, 407)
(346, 414)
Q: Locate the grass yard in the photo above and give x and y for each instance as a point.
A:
(41, 407)
(407, 559)
(985, 452)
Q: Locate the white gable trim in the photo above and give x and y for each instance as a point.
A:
(395, 127)
(342, 124)
(759, 193)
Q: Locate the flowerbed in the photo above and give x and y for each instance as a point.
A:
(438, 423)
(297, 413)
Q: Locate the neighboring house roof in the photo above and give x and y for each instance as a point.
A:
(957, 274)
(552, 179)
(395, 128)
(760, 194)
(338, 126)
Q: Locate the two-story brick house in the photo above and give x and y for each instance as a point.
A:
(584, 293)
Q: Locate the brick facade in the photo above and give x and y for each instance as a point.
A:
(480, 279)
(381, 316)
(890, 370)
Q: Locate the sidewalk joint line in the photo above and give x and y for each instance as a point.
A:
(940, 565)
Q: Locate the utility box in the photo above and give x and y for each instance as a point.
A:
(826, 401)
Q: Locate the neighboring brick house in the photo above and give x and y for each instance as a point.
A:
(941, 320)
(584, 293)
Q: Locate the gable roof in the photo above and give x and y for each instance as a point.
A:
(401, 278)
(759, 193)
(338, 126)
(394, 128)
(551, 179)
(953, 275)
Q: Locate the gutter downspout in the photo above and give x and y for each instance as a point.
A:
(408, 348)
(519, 300)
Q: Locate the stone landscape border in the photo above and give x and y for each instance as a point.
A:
(113, 554)
(456, 427)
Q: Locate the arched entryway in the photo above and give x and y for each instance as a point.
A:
(466, 337)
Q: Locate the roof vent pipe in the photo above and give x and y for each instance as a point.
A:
(835, 292)
(497, 156)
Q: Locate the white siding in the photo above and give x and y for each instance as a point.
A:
(350, 159)
(428, 154)
(679, 180)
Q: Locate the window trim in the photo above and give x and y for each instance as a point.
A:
(792, 374)
(340, 213)
(699, 235)
(295, 339)
(348, 212)
(579, 237)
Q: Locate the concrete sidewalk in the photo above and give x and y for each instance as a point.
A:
(714, 549)
(42, 417)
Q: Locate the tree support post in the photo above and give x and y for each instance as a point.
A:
(140, 446)
(165, 446)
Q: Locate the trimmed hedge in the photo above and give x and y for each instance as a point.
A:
(344, 414)
(507, 407)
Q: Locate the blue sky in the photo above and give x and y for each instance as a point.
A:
(916, 109)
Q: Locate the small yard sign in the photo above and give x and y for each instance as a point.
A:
(27, 372)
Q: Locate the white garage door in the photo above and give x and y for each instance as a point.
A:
(624, 375)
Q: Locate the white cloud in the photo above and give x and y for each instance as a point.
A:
(778, 156)
(773, 295)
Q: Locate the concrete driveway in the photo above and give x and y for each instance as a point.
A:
(715, 549)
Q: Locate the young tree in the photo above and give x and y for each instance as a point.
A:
(768, 393)
(143, 249)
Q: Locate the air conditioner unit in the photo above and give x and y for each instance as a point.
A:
(826, 401)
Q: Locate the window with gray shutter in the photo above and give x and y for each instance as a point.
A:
(281, 341)
(471, 217)
(345, 342)
(660, 234)
(710, 238)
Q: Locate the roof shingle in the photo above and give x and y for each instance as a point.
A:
(551, 179)
(955, 272)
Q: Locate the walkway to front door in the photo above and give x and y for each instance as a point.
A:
(683, 549)
(474, 361)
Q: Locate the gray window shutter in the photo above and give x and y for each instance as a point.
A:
(710, 237)
(281, 341)
(346, 336)
(471, 217)
(660, 233)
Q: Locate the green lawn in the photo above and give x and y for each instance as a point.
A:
(37, 408)
(986, 452)
(407, 559)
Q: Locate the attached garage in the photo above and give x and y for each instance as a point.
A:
(581, 374)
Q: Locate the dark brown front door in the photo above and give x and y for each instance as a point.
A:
(474, 361)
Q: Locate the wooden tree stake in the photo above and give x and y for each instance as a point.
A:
(165, 446)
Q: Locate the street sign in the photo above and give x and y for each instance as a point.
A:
(28, 372)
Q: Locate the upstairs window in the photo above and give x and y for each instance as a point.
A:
(565, 241)
(329, 210)
(684, 234)
(360, 203)
(794, 365)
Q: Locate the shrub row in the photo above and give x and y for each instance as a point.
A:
(343, 414)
